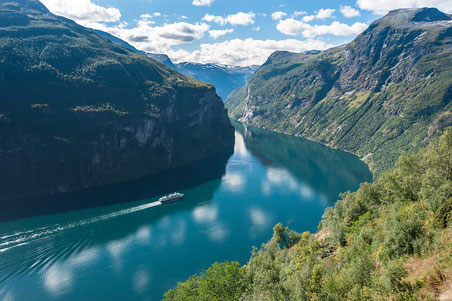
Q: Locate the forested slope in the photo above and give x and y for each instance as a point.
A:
(78, 111)
(390, 240)
(386, 92)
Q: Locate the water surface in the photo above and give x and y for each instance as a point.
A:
(85, 246)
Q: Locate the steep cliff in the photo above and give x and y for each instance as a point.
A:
(77, 110)
(386, 92)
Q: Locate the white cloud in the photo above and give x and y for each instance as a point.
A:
(299, 13)
(161, 39)
(239, 18)
(321, 14)
(202, 2)
(149, 16)
(164, 38)
(216, 19)
(308, 18)
(278, 15)
(349, 12)
(382, 7)
(257, 28)
(82, 11)
(325, 13)
(296, 28)
(218, 33)
(244, 52)
(157, 39)
(146, 16)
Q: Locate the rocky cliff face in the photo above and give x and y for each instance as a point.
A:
(77, 110)
(387, 91)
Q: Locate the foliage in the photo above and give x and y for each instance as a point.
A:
(222, 281)
(372, 100)
(78, 111)
(364, 242)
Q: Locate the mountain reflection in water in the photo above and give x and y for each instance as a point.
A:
(118, 243)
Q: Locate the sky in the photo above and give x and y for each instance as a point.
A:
(231, 32)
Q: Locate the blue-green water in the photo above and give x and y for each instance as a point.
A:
(139, 249)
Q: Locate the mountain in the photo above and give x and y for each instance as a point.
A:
(225, 78)
(78, 111)
(118, 41)
(162, 58)
(386, 92)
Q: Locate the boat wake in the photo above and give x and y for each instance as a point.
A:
(29, 258)
(23, 237)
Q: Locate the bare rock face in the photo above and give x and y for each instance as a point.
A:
(386, 92)
(78, 111)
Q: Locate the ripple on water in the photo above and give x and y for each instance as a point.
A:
(31, 259)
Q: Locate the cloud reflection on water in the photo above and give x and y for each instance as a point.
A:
(205, 214)
(234, 181)
(260, 221)
(57, 279)
(178, 233)
(141, 281)
(218, 232)
(269, 179)
(240, 147)
(279, 178)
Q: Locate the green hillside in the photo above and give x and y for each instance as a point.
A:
(386, 92)
(390, 240)
(78, 111)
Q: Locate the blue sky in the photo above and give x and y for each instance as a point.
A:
(231, 32)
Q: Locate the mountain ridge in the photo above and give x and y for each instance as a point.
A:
(387, 91)
(79, 111)
(224, 78)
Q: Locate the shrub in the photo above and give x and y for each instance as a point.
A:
(222, 281)
(403, 230)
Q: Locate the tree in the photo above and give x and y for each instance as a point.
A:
(222, 281)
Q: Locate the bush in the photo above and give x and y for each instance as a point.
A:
(365, 239)
(404, 231)
(222, 281)
(444, 214)
(394, 272)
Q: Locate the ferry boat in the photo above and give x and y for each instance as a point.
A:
(171, 198)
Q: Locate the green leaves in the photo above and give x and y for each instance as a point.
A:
(378, 96)
(222, 281)
(361, 248)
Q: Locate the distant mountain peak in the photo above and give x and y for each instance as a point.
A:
(411, 16)
(386, 91)
(428, 14)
